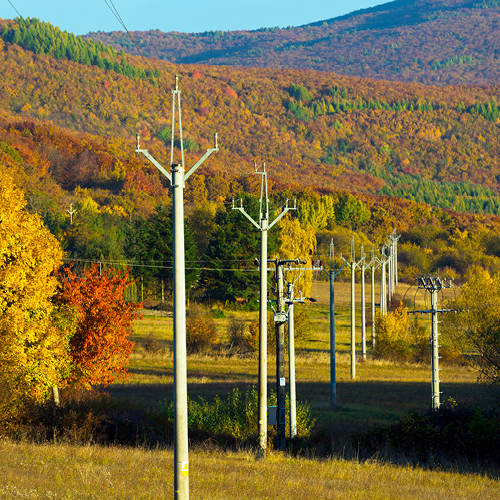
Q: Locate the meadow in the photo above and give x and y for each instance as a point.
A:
(381, 392)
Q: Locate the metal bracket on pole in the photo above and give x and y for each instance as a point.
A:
(145, 152)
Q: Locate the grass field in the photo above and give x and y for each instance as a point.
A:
(381, 391)
(114, 473)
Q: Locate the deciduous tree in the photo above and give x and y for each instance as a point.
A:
(100, 348)
(33, 347)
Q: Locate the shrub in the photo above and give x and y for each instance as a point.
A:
(236, 332)
(392, 335)
(253, 336)
(201, 333)
(218, 313)
(236, 416)
(451, 432)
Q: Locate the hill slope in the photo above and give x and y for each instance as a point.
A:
(429, 41)
(438, 145)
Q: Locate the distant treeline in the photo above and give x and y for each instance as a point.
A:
(304, 107)
(43, 38)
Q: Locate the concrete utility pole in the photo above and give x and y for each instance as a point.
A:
(280, 318)
(384, 259)
(263, 226)
(291, 300)
(71, 212)
(433, 285)
(374, 264)
(177, 179)
(332, 274)
(363, 305)
(353, 265)
(291, 360)
(392, 246)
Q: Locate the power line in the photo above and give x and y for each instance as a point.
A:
(154, 266)
(115, 12)
(12, 5)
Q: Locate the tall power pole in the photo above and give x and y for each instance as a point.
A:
(363, 303)
(177, 178)
(353, 265)
(291, 300)
(433, 284)
(332, 274)
(263, 226)
(392, 250)
(384, 259)
(71, 211)
(280, 318)
(374, 264)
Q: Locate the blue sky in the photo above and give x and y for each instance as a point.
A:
(80, 17)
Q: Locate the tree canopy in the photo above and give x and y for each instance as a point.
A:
(33, 343)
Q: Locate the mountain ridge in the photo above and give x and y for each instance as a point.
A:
(431, 41)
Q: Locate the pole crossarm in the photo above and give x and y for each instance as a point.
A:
(145, 152)
(433, 283)
(203, 158)
(244, 212)
(284, 211)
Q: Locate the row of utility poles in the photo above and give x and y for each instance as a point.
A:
(388, 259)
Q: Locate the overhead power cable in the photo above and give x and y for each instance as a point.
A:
(141, 53)
(155, 266)
(12, 5)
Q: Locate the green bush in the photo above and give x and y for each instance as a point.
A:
(451, 432)
(218, 313)
(236, 416)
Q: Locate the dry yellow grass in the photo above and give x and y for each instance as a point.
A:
(321, 291)
(380, 392)
(92, 472)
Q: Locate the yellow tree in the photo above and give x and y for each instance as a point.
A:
(297, 241)
(33, 347)
(476, 328)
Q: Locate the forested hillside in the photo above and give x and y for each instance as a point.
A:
(432, 144)
(429, 41)
(348, 149)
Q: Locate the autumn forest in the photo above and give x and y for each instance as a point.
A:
(382, 122)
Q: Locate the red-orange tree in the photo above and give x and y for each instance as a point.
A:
(100, 348)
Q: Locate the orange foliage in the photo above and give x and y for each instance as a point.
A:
(100, 347)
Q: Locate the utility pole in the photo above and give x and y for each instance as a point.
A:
(291, 300)
(291, 361)
(433, 285)
(71, 212)
(392, 247)
(363, 305)
(177, 178)
(280, 318)
(374, 264)
(353, 264)
(263, 226)
(384, 259)
(332, 274)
